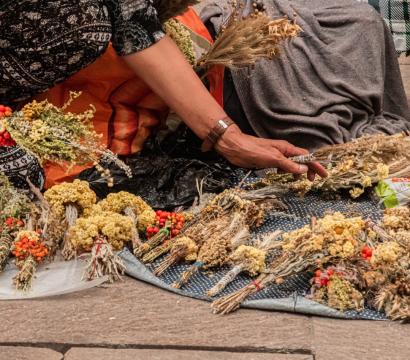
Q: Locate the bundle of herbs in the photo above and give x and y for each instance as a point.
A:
(355, 262)
(352, 166)
(65, 138)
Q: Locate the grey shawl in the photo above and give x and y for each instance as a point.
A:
(338, 80)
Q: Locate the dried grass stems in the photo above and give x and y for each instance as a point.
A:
(104, 262)
(243, 41)
(355, 165)
(216, 249)
(247, 258)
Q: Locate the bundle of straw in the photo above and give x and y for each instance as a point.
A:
(245, 40)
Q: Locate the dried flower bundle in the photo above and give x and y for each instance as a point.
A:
(68, 202)
(243, 41)
(182, 38)
(217, 248)
(246, 258)
(14, 208)
(355, 165)
(333, 238)
(182, 248)
(102, 233)
(142, 215)
(355, 261)
(29, 251)
(168, 9)
(53, 135)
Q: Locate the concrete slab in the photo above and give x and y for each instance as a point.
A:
(28, 353)
(360, 340)
(134, 313)
(139, 354)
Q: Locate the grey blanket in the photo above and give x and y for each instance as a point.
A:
(338, 80)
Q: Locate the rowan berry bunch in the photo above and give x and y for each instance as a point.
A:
(29, 243)
(5, 137)
(172, 221)
(10, 224)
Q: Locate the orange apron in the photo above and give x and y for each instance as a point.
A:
(126, 109)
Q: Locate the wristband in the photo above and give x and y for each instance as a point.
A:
(216, 132)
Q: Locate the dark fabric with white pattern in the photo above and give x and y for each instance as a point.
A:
(44, 42)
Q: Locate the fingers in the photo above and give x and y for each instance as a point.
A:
(318, 169)
(311, 175)
(288, 149)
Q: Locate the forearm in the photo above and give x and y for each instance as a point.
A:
(164, 69)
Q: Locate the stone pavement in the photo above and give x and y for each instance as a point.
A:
(134, 320)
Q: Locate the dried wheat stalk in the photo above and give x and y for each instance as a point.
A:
(245, 40)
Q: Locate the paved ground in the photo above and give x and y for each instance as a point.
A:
(132, 321)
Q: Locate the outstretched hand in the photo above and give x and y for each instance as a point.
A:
(252, 152)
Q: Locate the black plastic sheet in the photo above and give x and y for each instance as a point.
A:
(166, 173)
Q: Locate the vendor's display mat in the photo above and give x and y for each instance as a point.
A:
(289, 296)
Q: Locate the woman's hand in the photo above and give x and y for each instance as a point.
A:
(164, 69)
(252, 152)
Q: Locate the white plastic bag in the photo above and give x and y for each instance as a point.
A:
(394, 192)
(52, 279)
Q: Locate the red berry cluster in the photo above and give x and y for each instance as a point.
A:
(5, 138)
(174, 222)
(12, 223)
(367, 253)
(322, 277)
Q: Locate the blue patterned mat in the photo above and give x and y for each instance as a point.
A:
(289, 296)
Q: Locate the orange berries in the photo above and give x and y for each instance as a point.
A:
(27, 246)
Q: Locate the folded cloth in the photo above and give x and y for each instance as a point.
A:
(338, 80)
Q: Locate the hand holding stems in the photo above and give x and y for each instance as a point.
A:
(165, 70)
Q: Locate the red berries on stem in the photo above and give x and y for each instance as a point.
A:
(5, 138)
(174, 222)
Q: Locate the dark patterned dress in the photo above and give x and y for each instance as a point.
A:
(43, 42)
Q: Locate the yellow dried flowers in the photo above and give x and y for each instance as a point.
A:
(334, 232)
(77, 193)
(251, 258)
(386, 253)
(119, 202)
(116, 228)
(339, 294)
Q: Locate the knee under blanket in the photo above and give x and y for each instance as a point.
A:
(338, 80)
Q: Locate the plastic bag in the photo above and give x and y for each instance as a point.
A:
(394, 192)
(166, 173)
(52, 279)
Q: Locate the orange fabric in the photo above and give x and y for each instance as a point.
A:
(126, 109)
